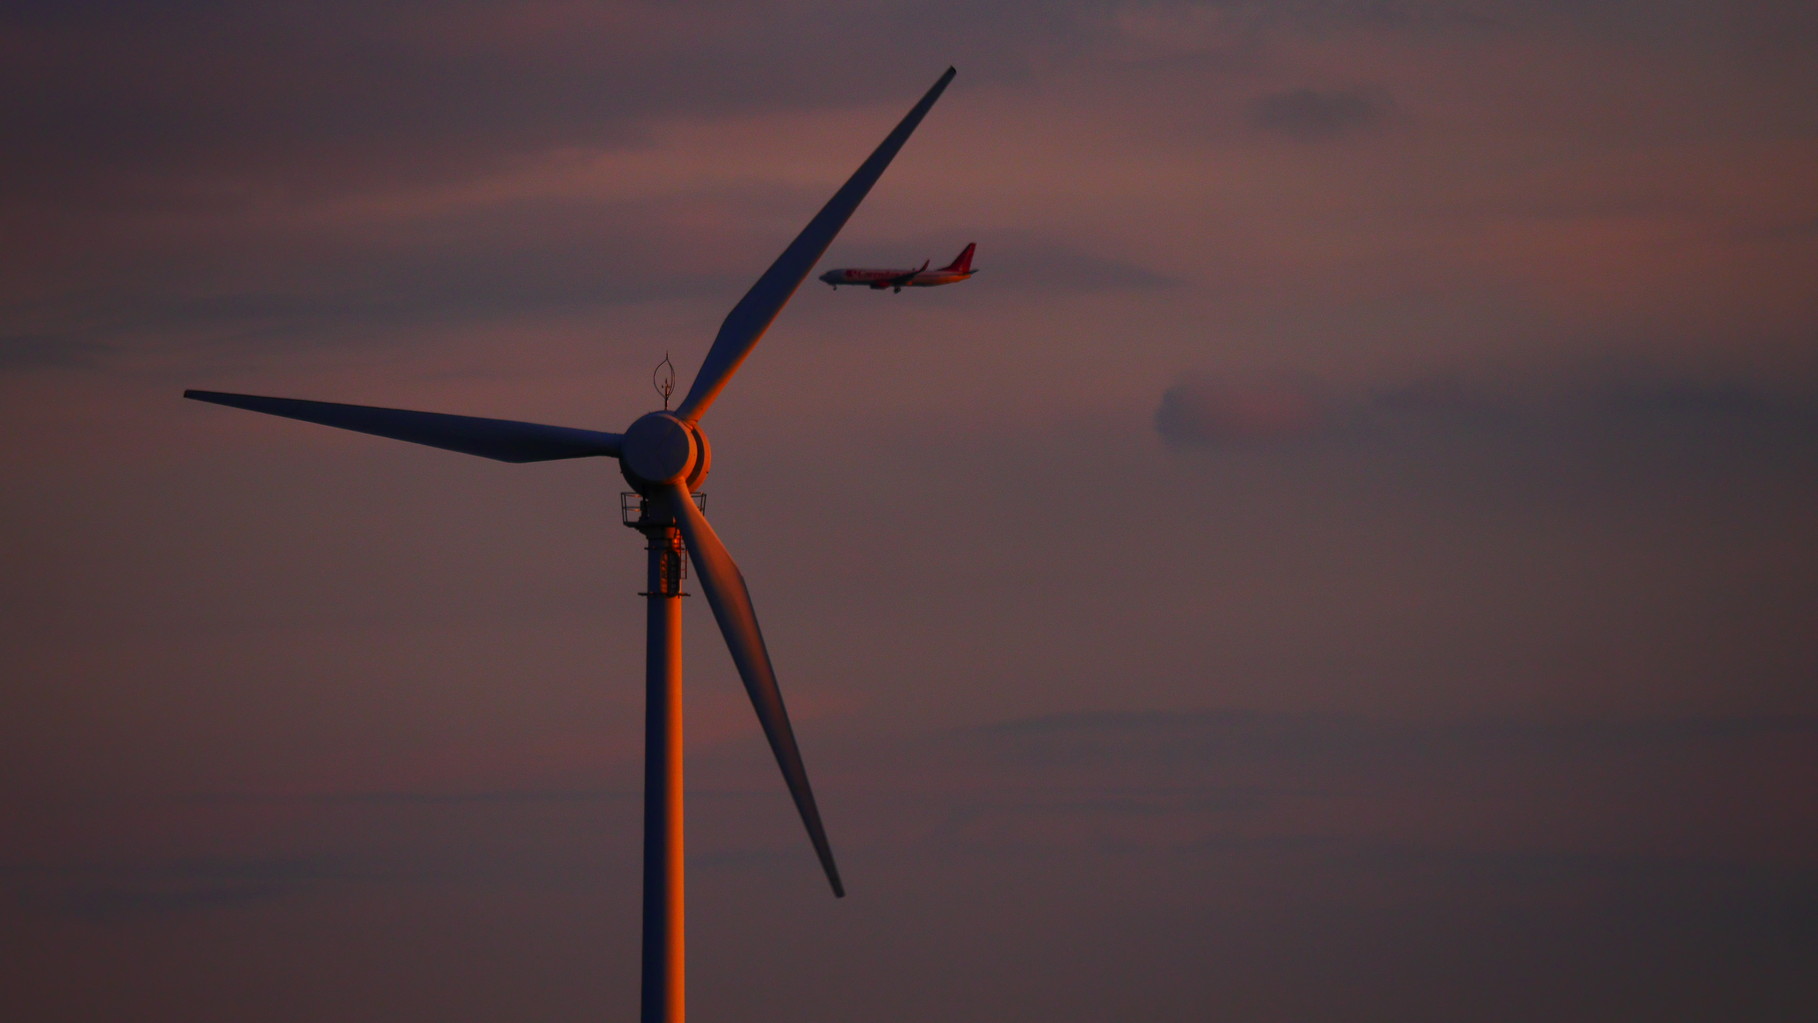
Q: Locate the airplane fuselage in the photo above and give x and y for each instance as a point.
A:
(916, 277)
(907, 277)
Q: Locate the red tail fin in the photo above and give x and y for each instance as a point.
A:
(964, 263)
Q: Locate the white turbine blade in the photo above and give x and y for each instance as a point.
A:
(502, 439)
(724, 585)
(754, 313)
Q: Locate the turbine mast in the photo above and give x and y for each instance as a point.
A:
(664, 988)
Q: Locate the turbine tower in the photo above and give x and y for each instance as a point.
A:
(664, 456)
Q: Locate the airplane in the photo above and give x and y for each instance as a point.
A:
(920, 277)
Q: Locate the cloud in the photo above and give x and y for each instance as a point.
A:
(1213, 412)
(1635, 405)
(126, 890)
(1174, 739)
(1310, 114)
(1488, 791)
(35, 351)
(208, 102)
(315, 279)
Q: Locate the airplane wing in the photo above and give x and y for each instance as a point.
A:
(898, 282)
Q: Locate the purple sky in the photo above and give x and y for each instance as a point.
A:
(1348, 556)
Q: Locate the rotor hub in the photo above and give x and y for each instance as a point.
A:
(660, 449)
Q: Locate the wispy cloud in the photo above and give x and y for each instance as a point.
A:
(1313, 114)
(133, 890)
(1636, 404)
(1232, 736)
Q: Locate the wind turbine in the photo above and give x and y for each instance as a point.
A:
(664, 456)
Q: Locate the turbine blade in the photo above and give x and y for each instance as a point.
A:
(752, 316)
(502, 439)
(731, 603)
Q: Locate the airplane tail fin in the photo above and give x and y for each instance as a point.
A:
(963, 264)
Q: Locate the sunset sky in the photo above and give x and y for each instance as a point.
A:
(1350, 555)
